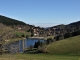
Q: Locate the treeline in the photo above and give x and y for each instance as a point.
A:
(61, 37)
(67, 35)
(9, 21)
(62, 29)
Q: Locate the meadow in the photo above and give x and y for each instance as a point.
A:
(38, 57)
(66, 46)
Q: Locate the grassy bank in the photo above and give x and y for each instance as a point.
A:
(66, 46)
(38, 57)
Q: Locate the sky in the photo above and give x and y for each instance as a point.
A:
(44, 13)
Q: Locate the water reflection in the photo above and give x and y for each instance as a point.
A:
(20, 45)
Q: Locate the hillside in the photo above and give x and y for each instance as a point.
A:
(66, 46)
(62, 29)
(22, 26)
(75, 23)
(33, 31)
(5, 30)
(13, 23)
(12, 28)
(8, 33)
(9, 21)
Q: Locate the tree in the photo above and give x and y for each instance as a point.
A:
(67, 35)
(32, 34)
(23, 35)
(27, 36)
(49, 40)
(37, 44)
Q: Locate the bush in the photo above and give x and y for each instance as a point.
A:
(42, 49)
(49, 40)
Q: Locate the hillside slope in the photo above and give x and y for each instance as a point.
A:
(63, 29)
(13, 23)
(8, 33)
(21, 27)
(9, 21)
(66, 46)
(11, 28)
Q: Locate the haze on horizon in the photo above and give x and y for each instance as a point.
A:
(44, 13)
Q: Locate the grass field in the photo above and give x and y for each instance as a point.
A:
(66, 46)
(38, 57)
(20, 33)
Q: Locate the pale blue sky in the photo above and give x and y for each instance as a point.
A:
(42, 12)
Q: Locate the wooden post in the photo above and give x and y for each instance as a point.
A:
(23, 44)
(19, 45)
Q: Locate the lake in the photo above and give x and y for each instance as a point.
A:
(20, 45)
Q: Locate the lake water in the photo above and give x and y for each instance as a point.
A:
(22, 44)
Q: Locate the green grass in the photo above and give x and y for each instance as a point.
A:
(20, 33)
(49, 37)
(38, 57)
(66, 46)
